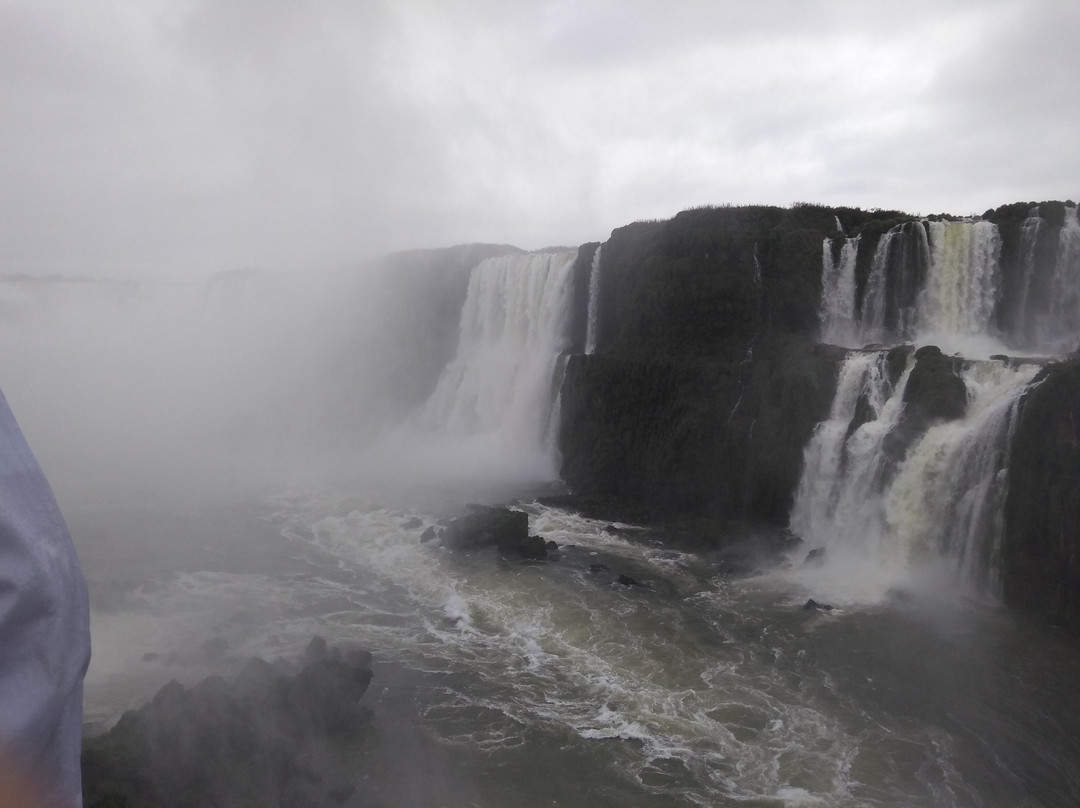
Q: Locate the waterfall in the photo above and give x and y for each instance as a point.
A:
(1029, 242)
(948, 497)
(497, 394)
(1062, 326)
(594, 304)
(880, 517)
(897, 272)
(838, 504)
(961, 289)
(837, 311)
(875, 308)
(928, 282)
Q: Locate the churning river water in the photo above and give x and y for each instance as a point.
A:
(504, 683)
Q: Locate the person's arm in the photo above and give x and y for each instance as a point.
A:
(44, 631)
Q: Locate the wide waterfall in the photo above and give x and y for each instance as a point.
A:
(493, 408)
(948, 283)
(418, 369)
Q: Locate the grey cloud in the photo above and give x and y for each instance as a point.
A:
(193, 136)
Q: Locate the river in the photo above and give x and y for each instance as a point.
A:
(504, 683)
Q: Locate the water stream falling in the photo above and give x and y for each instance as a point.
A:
(837, 314)
(1063, 323)
(942, 282)
(881, 511)
(495, 401)
(879, 502)
(594, 303)
(1030, 232)
(962, 286)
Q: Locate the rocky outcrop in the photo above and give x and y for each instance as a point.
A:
(1041, 555)
(935, 392)
(277, 735)
(504, 529)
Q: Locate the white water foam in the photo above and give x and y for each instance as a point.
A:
(879, 528)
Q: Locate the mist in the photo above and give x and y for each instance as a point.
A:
(251, 380)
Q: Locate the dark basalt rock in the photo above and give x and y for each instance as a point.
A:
(935, 391)
(278, 734)
(501, 528)
(1040, 565)
(813, 606)
(532, 547)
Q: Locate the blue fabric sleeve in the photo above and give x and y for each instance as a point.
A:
(44, 625)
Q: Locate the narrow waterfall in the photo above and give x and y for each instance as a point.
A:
(1062, 326)
(498, 393)
(899, 270)
(838, 504)
(594, 303)
(837, 311)
(1030, 231)
(880, 513)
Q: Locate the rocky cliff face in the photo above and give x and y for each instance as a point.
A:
(709, 376)
(707, 380)
(1041, 556)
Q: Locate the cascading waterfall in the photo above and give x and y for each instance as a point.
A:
(594, 302)
(497, 394)
(872, 510)
(867, 499)
(837, 505)
(947, 498)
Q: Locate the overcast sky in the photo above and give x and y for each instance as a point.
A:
(179, 137)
